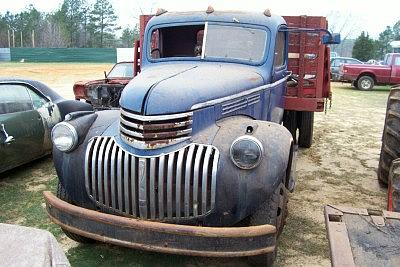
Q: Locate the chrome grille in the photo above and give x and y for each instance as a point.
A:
(177, 185)
(155, 131)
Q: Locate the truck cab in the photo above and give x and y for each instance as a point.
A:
(196, 161)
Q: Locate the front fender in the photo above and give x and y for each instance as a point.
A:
(241, 192)
(70, 166)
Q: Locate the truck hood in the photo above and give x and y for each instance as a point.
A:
(87, 83)
(174, 88)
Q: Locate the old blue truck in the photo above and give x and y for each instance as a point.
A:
(196, 160)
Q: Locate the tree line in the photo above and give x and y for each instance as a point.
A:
(74, 24)
(366, 48)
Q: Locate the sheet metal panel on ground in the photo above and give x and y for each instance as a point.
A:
(361, 237)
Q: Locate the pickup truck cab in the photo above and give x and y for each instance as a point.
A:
(196, 160)
(365, 76)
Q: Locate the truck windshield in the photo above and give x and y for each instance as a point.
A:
(221, 42)
(235, 43)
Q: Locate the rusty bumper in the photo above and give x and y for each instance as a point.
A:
(162, 237)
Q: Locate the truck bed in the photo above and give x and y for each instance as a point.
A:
(309, 59)
(361, 237)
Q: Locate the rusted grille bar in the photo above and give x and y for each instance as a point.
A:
(155, 131)
(180, 184)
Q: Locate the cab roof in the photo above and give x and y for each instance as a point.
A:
(255, 18)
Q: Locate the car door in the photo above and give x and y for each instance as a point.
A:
(395, 75)
(49, 113)
(21, 127)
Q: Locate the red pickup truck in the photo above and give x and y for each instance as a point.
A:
(365, 76)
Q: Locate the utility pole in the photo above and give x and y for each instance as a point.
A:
(33, 38)
(21, 39)
(13, 33)
(9, 38)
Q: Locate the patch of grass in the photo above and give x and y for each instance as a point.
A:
(20, 206)
(304, 236)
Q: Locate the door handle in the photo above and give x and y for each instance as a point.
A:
(8, 139)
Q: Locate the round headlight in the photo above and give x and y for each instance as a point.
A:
(64, 136)
(246, 152)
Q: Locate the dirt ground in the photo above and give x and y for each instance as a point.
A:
(340, 168)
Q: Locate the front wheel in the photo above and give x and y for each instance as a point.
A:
(365, 83)
(62, 194)
(272, 212)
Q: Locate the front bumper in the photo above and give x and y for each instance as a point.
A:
(162, 237)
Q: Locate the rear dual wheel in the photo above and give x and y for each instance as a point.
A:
(302, 121)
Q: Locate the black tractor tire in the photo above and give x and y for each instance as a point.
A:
(365, 83)
(290, 122)
(390, 149)
(306, 128)
(272, 212)
(62, 194)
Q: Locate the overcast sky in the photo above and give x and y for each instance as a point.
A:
(367, 15)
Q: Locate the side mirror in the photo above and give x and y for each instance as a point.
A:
(333, 38)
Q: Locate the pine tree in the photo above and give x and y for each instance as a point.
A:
(383, 43)
(364, 48)
(129, 36)
(102, 21)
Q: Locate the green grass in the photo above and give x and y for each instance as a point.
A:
(25, 207)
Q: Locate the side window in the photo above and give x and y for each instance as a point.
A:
(351, 61)
(279, 59)
(397, 61)
(335, 63)
(155, 49)
(14, 98)
(37, 100)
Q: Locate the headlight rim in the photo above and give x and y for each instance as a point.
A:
(75, 136)
(253, 139)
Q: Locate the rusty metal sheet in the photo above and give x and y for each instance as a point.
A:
(356, 239)
(339, 242)
(350, 210)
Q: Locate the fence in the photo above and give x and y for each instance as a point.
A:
(99, 55)
(107, 55)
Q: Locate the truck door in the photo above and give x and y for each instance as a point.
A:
(276, 104)
(395, 75)
(21, 127)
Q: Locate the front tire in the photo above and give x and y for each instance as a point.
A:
(365, 83)
(62, 194)
(272, 212)
(390, 149)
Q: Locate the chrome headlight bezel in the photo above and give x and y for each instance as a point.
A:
(247, 138)
(73, 134)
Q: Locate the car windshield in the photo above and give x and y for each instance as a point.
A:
(209, 42)
(121, 70)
